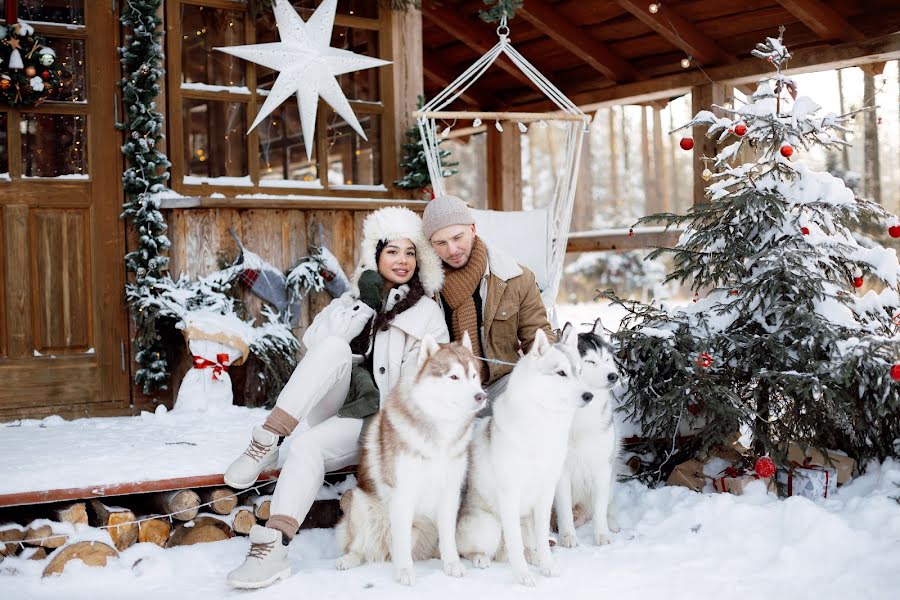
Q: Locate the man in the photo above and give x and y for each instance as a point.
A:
(485, 292)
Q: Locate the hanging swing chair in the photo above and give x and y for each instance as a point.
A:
(507, 230)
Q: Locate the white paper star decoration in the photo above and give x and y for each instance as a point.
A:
(307, 65)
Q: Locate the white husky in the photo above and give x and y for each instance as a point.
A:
(517, 456)
(590, 469)
(413, 466)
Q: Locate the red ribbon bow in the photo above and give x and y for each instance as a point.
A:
(220, 365)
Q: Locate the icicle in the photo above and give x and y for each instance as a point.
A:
(15, 60)
(522, 127)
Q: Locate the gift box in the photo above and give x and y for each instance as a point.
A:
(840, 462)
(688, 474)
(734, 481)
(810, 481)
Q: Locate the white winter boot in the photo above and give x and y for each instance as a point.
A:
(266, 562)
(260, 455)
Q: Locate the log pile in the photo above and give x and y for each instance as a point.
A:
(57, 533)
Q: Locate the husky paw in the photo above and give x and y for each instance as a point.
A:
(481, 561)
(550, 569)
(531, 557)
(348, 561)
(406, 577)
(454, 569)
(525, 578)
(568, 540)
(601, 539)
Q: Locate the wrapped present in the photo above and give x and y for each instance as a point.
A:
(734, 480)
(810, 481)
(688, 474)
(839, 461)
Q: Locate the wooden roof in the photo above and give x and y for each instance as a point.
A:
(606, 51)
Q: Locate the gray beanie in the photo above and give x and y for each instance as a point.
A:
(445, 211)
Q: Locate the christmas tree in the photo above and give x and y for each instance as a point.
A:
(414, 164)
(792, 335)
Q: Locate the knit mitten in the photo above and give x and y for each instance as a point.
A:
(371, 286)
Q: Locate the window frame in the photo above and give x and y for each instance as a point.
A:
(176, 96)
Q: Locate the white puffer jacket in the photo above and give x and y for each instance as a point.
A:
(395, 351)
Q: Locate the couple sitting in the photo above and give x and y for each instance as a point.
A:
(432, 276)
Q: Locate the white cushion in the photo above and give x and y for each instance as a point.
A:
(524, 235)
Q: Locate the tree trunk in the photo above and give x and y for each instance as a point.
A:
(583, 215)
(845, 151)
(661, 171)
(872, 176)
(615, 192)
(651, 199)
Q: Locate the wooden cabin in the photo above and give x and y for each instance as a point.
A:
(65, 339)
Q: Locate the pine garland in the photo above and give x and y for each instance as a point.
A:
(144, 179)
(500, 8)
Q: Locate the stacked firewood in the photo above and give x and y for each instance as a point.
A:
(168, 519)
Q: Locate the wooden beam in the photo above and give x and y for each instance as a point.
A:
(826, 22)
(570, 36)
(873, 69)
(465, 32)
(807, 60)
(678, 31)
(597, 241)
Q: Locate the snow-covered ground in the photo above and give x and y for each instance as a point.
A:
(673, 544)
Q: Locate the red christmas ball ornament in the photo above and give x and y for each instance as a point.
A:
(45, 74)
(895, 372)
(740, 129)
(686, 143)
(630, 232)
(704, 360)
(787, 150)
(765, 466)
(696, 297)
(894, 231)
(804, 230)
(693, 408)
(858, 282)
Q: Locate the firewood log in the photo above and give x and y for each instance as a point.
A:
(121, 524)
(93, 554)
(183, 503)
(203, 529)
(35, 553)
(223, 499)
(10, 536)
(74, 513)
(154, 531)
(262, 506)
(243, 519)
(44, 536)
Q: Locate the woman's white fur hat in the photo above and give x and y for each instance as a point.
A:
(394, 223)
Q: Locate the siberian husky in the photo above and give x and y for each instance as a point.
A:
(517, 456)
(413, 464)
(590, 469)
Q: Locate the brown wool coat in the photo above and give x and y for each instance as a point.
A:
(512, 311)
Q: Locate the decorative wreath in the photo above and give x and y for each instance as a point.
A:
(28, 69)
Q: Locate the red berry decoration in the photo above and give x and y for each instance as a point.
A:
(894, 231)
(804, 230)
(895, 372)
(686, 143)
(787, 150)
(704, 360)
(631, 233)
(693, 408)
(765, 467)
(740, 129)
(45, 74)
(696, 297)
(857, 282)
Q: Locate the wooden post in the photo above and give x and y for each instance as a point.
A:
(661, 163)
(408, 81)
(614, 190)
(871, 163)
(702, 98)
(583, 215)
(651, 198)
(504, 159)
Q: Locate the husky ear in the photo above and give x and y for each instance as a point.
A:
(466, 341)
(569, 337)
(598, 328)
(541, 343)
(427, 349)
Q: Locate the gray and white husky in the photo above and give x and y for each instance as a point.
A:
(413, 465)
(592, 460)
(517, 456)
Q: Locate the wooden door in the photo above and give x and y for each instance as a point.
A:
(63, 322)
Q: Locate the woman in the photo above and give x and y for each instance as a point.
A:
(366, 339)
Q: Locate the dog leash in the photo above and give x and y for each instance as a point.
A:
(495, 361)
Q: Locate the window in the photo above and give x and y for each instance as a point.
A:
(215, 97)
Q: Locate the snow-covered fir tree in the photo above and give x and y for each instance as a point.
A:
(414, 163)
(792, 335)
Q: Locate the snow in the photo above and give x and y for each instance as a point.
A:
(196, 180)
(673, 543)
(205, 87)
(360, 187)
(78, 176)
(291, 183)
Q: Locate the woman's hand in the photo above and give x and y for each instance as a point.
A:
(371, 286)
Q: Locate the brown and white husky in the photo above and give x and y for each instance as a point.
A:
(413, 464)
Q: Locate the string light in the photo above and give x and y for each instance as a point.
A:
(498, 126)
(522, 127)
(653, 8)
(685, 62)
(476, 122)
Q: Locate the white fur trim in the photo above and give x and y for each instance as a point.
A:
(394, 223)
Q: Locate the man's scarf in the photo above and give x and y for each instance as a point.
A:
(459, 286)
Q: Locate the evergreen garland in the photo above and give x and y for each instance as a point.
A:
(414, 163)
(500, 8)
(144, 179)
